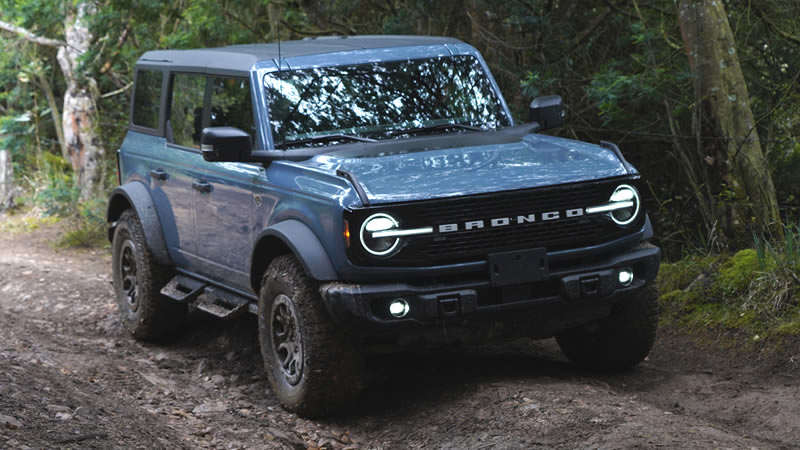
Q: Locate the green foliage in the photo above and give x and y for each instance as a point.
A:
(52, 187)
(399, 23)
(787, 168)
(89, 228)
(536, 83)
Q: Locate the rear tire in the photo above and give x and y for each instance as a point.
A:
(314, 368)
(618, 342)
(138, 279)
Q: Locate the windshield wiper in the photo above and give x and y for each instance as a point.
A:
(326, 138)
(441, 126)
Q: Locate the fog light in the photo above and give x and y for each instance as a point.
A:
(399, 308)
(625, 277)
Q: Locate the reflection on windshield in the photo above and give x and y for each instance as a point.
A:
(371, 99)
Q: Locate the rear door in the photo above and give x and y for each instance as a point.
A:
(149, 158)
(183, 126)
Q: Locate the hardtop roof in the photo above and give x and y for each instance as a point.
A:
(240, 58)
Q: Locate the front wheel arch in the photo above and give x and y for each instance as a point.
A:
(295, 238)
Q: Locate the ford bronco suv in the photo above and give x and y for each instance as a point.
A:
(363, 192)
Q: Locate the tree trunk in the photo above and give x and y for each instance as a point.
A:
(6, 181)
(54, 113)
(79, 119)
(726, 128)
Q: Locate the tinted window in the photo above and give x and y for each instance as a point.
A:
(186, 110)
(231, 105)
(147, 98)
(371, 99)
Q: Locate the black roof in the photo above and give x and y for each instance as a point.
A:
(238, 59)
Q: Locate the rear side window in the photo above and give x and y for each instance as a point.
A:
(186, 111)
(147, 98)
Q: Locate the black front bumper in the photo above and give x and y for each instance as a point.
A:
(568, 296)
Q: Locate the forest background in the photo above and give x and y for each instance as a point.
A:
(701, 95)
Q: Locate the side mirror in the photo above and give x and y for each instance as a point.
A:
(225, 144)
(547, 111)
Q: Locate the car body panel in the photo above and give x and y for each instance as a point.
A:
(410, 172)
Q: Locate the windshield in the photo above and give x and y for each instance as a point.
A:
(371, 100)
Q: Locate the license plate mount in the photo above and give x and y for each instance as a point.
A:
(518, 267)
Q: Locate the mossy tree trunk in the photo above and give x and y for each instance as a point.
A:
(6, 180)
(79, 119)
(727, 138)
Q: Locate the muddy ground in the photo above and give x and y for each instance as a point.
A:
(71, 377)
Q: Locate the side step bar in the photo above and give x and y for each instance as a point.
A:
(220, 303)
(183, 289)
(199, 295)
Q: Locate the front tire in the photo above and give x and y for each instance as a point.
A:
(314, 368)
(618, 342)
(138, 279)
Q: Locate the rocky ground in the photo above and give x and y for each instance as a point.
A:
(71, 377)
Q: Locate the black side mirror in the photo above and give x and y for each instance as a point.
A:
(225, 144)
(547, 111)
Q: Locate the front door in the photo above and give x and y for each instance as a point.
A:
(224, 200)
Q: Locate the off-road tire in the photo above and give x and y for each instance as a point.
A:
(143, 310)
(618, 342)
(327, 375)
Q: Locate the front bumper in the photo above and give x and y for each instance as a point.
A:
(568, 296)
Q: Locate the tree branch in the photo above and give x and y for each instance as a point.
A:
(771, 25)
(27, 35)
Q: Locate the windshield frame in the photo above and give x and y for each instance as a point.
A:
(347, 58)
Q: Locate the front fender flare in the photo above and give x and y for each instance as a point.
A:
(136, 195)
(305, 245)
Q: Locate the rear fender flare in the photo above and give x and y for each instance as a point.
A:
(135, 195)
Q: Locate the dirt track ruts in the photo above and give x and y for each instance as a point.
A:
(71, 377)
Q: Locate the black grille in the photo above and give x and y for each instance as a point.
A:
(553, 235)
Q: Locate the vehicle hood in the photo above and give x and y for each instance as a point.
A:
(411, 169)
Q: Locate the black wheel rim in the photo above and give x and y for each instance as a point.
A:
(287, 345)
(127, 271)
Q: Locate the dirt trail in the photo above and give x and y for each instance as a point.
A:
(71, 377)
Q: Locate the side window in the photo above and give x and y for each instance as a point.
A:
(231, 105)
(147, 98)
(186, 109)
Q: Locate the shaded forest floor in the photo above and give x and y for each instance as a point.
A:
(71, 377)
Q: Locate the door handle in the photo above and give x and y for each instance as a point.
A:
(201, 186)
(158, 174)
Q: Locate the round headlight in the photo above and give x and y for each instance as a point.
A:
(625, 194)
(379, 246)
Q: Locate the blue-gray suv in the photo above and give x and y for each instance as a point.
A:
(371, 192)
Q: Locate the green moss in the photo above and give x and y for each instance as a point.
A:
(715, 315)
(736, 274)
(789, 326)
(679, 275)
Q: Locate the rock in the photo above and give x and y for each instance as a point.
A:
(217, 379)
(10, 422)
(530, 407)
(210, 408)
(63, 416)
(58, 408)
